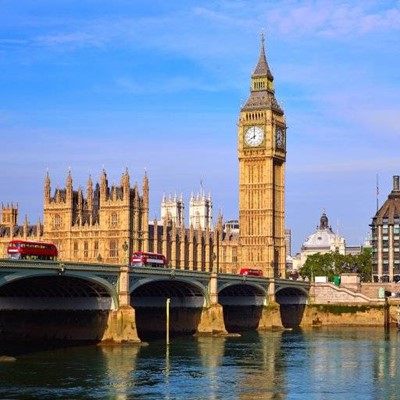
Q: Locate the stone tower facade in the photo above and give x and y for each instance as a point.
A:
(9, 215)
(200, 211)
(172, 208)
(262, 155)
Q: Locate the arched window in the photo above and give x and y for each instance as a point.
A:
(96, 249)
(76, 250)
(85, 249)
(113, 248)
(114, 219)
(57, 221)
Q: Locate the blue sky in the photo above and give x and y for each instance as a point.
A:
(158, 86)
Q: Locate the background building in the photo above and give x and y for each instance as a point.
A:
(323, 241)
(385, 230)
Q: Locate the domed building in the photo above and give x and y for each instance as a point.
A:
(322, 241)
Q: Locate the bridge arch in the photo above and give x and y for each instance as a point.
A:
(292, 301)
(242, 304)
(242, 294)
(291, 295)
(182, 293)
(148, 298)
(42, 290)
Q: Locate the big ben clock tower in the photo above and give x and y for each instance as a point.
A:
(262, 155)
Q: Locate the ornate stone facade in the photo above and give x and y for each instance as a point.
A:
(95, 227)
(262, 155)
(107, 224)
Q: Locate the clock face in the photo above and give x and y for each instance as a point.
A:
(279, 137)
(254, 136)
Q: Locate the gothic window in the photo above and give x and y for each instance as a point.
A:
(76, 250)
(113, 248)
(234, 255)
(114, 219)
(96, 249)
(85, 249)
(57, 222)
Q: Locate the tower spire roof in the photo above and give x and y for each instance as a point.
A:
(262, 68)
(262, 92)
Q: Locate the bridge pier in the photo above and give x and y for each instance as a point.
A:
(271, 292)
(270, 317)
(212, 317)
(121, 323)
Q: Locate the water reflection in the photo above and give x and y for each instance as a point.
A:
(211, 351)
(314, 364)
(120, 366)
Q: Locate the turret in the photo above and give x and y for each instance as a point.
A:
(9, 215)
(89, 194)
(103, 186)
(69, 188)
(47, 189)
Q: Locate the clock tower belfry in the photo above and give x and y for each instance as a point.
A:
(262, 155)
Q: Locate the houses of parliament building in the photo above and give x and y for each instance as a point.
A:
(106, 224)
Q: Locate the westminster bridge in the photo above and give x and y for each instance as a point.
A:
(101, 302)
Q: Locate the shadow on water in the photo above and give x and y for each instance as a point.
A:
(20, 347)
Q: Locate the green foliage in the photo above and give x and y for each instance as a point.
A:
(344, 309)
(333, 263)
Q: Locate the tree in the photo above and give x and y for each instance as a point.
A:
(333, 263)
(318, 265)
(364, 264)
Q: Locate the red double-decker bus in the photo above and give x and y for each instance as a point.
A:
(146, 259)
(27, 250)
(251, 272)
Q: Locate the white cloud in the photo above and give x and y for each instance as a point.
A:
(72, 40)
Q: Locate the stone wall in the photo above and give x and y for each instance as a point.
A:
(327, 293)
(351, 303)
(344, 315)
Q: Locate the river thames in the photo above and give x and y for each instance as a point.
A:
(325, 363)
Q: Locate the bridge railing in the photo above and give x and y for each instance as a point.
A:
(44, 264)
(171, 272)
